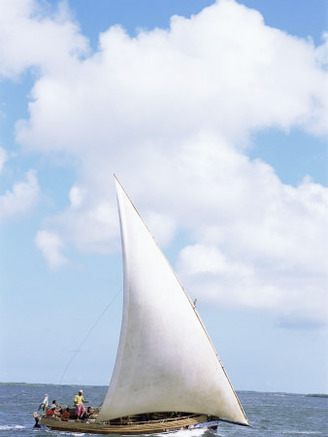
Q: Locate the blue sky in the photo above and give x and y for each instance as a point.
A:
(214, 116)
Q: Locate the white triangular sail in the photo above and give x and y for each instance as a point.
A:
(165, 360)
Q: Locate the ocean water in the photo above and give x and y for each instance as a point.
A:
(271, 414)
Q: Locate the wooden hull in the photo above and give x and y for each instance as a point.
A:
(148, 427)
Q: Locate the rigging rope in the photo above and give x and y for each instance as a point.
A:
(87, 335)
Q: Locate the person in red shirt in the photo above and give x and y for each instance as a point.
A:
(65, 415)
(50, 412)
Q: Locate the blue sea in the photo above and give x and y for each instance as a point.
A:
(271, 414)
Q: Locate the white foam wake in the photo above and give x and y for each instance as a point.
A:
(9, 427)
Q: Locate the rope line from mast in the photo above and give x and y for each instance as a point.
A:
(87, 336)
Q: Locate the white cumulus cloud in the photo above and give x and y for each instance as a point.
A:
(51, 246)
(18, 201)
(172, 113)
(31, 37)
(3, 158)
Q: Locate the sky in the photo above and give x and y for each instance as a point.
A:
(214, 117)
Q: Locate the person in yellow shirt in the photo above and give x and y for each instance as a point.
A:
(79, 407)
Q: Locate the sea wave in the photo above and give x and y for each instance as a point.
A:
(77, 434)
(10, 427)
(196, 432)
(302, 432)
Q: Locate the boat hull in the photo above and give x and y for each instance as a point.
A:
(148, 427)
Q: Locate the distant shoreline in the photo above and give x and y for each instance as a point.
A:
(37, 384)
